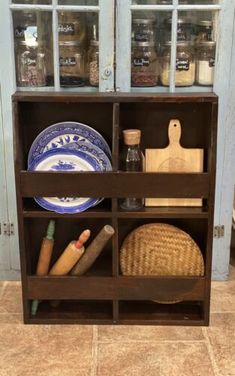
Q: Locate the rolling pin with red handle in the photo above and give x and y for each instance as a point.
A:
(71, 255)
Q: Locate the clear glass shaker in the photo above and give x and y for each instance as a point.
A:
(132, 161)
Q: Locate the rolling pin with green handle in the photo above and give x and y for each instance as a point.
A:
(70, 256)
(93, 250)
(44, 258)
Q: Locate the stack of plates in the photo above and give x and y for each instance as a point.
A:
(69, 146)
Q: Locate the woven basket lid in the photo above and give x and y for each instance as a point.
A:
(162, 250)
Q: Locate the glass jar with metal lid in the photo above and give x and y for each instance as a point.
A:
(72, 64)
(143, 30)
(93, 63)
(184, 29)
(204, 31)
(144, 65)
(205, 63)
(30, 65)
(185, 64)
(71, 27)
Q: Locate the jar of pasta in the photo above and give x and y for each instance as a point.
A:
(205, 63)
(144, 65)
(72, 64)
(185, 64)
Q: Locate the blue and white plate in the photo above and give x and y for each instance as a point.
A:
(65, 160)
(92, 150)
(61, 134)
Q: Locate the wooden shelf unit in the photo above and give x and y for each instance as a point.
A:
(103, 295)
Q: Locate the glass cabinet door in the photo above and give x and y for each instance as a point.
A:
(64, 44)
(170, 45)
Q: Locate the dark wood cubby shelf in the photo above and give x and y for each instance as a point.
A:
(103, 295)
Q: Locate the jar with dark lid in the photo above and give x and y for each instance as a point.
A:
(143, 30)
(205, 63)
(144, 65)
(31, 65)
(204, 31)
(93, 63)
(184, 29)
(71, 27)
(72, 64)
(185, 64)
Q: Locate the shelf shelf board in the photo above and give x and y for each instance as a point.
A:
(165, 212)
(95, 213)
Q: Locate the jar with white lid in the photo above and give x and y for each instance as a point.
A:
(72, 64)
(205, 63)
(185, 64)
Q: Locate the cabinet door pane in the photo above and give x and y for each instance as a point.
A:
(78, 2)
(150, 31)
(41, 2)
(152, 2)
(33, 48)
(199, 2)
(78, 49)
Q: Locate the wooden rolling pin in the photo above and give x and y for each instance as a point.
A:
(44, 258)
(70, 256)
(93, 251)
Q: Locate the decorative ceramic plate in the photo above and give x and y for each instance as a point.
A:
(65, 160)
(61, 134)
(92, 150)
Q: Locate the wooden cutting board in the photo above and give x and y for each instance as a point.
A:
(174, 158)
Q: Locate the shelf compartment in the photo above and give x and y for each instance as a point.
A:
(165, 212)
(152, 313)
(65, 232)
(32, 210)
(121, 288)
(114, 184)
(81, 312)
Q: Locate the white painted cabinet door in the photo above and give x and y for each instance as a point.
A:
(4, 239)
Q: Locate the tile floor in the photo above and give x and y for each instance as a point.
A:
(118, 350)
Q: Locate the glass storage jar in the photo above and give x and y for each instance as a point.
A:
(184, 29)
(72, 64)
(205, 63)
(144, 65)
(204, 31)
(23, 20)
(31, 65)
(185, 64)
(143, 30)
(71, 27)
(93, 63)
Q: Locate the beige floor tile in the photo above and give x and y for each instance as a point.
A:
(221, 334)
(154, 359)
(11, 298)
(11, 318)
(45, 350)
(223, 296)
(148, 333)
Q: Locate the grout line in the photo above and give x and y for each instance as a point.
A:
(3, 288)
(211, 353)
(94, 363)
(191, 341)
